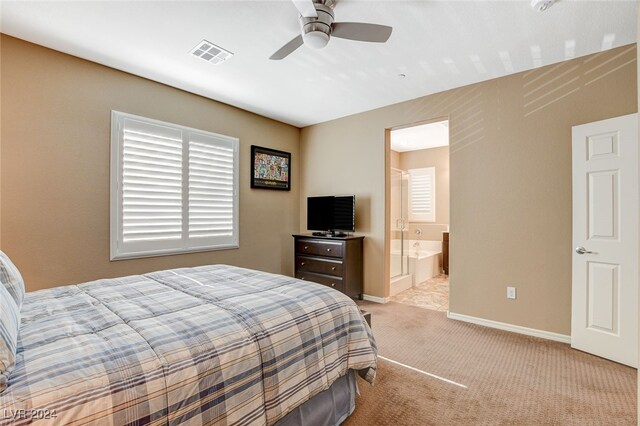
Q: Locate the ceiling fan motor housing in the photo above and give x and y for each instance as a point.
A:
(317, 31)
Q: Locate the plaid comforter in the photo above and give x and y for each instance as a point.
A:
(213, 344)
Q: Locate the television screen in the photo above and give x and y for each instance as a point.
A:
(344, 209)
(319, 213)
(331, 213)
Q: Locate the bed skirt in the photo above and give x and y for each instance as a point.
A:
(330, 407)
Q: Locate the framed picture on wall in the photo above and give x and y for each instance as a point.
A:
(270, 168)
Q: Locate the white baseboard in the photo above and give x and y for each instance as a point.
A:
(511, 327)
(375, 299)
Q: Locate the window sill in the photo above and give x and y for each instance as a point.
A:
(170, 252)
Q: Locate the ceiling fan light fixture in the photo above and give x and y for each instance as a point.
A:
(542, 5)
(317, 30)
(316, 39)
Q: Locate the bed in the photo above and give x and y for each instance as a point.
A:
(207, 345)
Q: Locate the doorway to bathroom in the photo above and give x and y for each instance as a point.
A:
(419, 215)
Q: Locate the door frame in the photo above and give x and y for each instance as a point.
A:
(387, 196)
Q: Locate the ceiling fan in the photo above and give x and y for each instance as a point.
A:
(317, 27)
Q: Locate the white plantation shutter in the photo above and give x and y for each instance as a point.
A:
(174, 189)
(151, 184)
(211, 189)
(422, 194)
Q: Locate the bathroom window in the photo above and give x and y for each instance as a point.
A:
(422, 194)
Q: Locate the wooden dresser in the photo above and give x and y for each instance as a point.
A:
(333, 261)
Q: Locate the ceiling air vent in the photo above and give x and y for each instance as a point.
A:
(210, 52)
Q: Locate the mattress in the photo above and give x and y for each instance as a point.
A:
(206, 345)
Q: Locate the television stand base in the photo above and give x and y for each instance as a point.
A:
(329, 234)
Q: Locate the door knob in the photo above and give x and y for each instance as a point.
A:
(582, 250)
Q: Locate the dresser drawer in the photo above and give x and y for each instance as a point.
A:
(333, 282)
(319, 247)
(321, 266)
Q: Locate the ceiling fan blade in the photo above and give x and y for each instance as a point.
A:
(306, 8)
(361, 31)
(288, 48)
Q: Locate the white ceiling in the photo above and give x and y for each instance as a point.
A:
(424, 136)
(438, 45)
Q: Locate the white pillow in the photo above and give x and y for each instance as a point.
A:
(9, 326)
(12, 280)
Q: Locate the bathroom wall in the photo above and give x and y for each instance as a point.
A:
(395, 200)
(438, 158)
(395, 159)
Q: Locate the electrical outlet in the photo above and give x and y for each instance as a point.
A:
(511, 292)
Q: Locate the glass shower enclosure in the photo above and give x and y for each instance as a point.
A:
(399, 224)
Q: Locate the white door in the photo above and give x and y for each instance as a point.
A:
(605, 239)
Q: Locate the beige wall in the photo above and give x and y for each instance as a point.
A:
(395, 159)
(638, 73)
(510, 175)
(0, 140)
(438, 158)
(510, 171)
(55, 168)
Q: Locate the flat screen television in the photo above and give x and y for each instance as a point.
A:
(331, 213)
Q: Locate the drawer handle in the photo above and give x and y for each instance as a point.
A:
(306, 247)
(301, 263)
(328, 249)
(333, 284)
(333, 268)
(302, 278)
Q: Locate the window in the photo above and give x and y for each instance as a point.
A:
(173, 189)
(422, 195)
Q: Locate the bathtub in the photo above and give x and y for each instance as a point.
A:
(424, 258)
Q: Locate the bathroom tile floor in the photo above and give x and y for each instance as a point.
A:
(432, 294)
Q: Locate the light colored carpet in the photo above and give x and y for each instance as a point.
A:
(510, 379)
